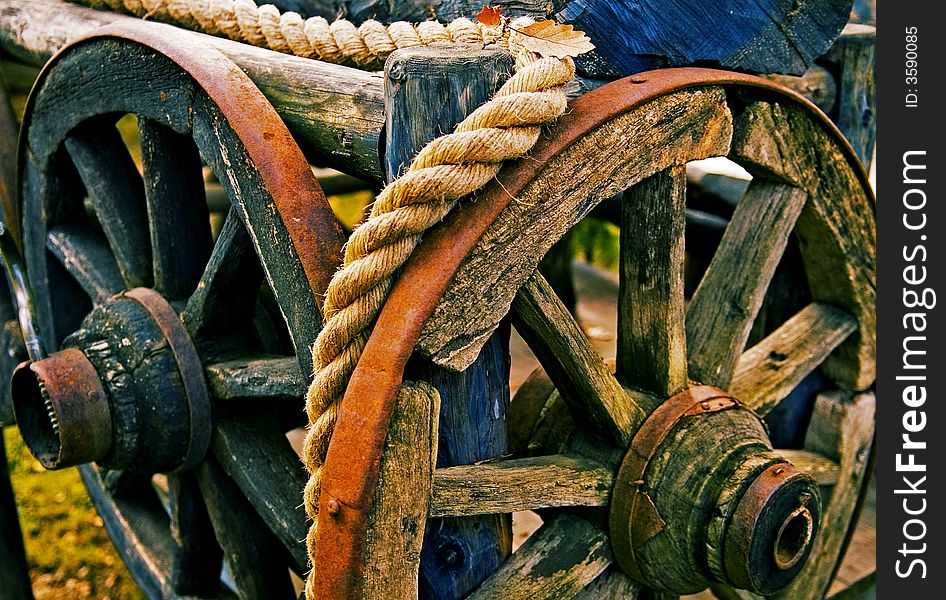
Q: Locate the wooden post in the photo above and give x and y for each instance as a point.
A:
(427, 92)
(401, 504)
(852, 57)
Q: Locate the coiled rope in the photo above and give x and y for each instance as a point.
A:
(445, 170)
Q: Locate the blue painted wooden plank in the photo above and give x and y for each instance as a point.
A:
(761, 36)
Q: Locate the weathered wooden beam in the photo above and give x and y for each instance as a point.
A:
(585, 381)
(651, 351)
(334, 112)
(398, 517)
(560, 559)
(852, 56)
(521, 484)
(430, 90)
(721, 313)
(770, 370)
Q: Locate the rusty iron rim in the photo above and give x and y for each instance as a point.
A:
(188, 366)
(300, 202)
(633, 516)
(350, 473)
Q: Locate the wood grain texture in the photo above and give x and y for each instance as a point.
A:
(254, 453)
(584, 380)
(853, 57)
(398, 516)
(335, 113)
(817, 84)
(117, 194)
(771, 369)
(226, 294)
(764, 37)
(651, 352)
(253, 554)
(85, 254)
(520, 484)
(560, 559)
(842, 429)
(427, 92)
(177, 209)
(664, 132)
(256, 378)
(721, 313)
(613, 584)
(824, 470)
(836, 230)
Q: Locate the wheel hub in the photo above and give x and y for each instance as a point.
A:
(127, 391)
(743, 511)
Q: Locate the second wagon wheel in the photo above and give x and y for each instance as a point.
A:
(693, 493)
(157, 323)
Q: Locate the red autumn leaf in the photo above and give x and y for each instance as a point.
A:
(490, 15)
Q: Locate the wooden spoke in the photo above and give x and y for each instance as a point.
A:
(560, 559)
(122, 483)
(256, 378)
(586, 383)
(197, 556)
(725, 304)
(651, 353)
(257, 456)
(521, 484)
(286, 271)
(86, 256)
(116, 192)
(824, 470)
(140, 529)
(842, 429)
(613, 584)
(254, 556)
(225, 298)
(177, 209)
(768, 371)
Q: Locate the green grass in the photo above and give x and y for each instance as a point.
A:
(69, 553)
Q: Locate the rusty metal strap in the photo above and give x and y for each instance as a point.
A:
(188, 366)
(634, 518)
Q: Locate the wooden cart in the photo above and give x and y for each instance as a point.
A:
(177, 352)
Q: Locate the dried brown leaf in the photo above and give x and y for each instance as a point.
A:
(549, 38)
(490, 15)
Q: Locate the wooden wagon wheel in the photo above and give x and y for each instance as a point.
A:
(157, 323)
(717, 504)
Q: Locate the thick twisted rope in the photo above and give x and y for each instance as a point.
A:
(339, 42)
(445, 170)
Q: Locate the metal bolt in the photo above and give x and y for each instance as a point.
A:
(779, 470)
(450, 555)
(638, 79)
(333, 507)
(705, 405)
